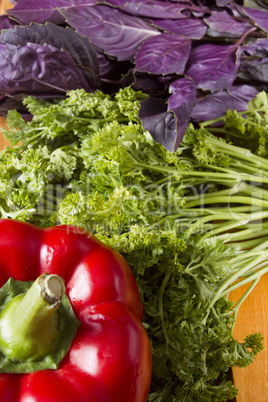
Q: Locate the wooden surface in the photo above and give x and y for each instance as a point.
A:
(5, 5)
(251, 381)
(3, 141)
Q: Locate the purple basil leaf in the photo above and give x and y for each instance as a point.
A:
(6, 22)
(27, 11)
(258, 49)
(260, 17)
(34, 68)
(152, 8)
(78, 47)
(158, 121)
(128, 79)
(223, 24)
(39, 11)
(254, 70)
(163, 54)
(252, 61)
(191, 28)
(11, 102)
(110, 30)
(168, 123)
(181, 103)
(216, 104)
(212, 67)
(154, 85)
(113, 74)
(106, 65)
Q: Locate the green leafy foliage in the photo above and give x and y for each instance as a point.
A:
(249, 128)
(183, 220)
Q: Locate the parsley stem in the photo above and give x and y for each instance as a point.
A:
(161, 307)
(249, 278)
(241, 300)
(219, 173)
(219, 119)
(197, 226)
(256, 244)
(239, 153)
(90, 119)
(229, 199)
(248, 261)
(256, 257)
(222, 228)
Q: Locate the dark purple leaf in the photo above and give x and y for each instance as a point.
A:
(128, 79)
(6, 22)
(11, 102)
(158, 121)
(113, 74)
(181, 103)
(110, 30)
(254, 70)
(16, 102)
(78, 47)
(191, 28)
(153, 8)
(27, 11)
(154, 85)
(258, 49)
(163, 54)
(260, 17)
(223, 24)
(167, 123)
(106, 65)
(212, 67)
(216, 104)
(34, 68)
(252, 61)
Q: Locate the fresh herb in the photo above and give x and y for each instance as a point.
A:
(192, 224)
(195, 59)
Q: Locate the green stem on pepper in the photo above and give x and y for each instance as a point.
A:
(29, 322)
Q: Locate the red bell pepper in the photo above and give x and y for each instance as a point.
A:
(109, 358)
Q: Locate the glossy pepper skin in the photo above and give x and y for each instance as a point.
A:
(110, 356)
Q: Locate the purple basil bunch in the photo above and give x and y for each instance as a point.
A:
(194, 59)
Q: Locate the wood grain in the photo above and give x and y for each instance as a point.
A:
(251, 381)
(5, 5)
(3, 141)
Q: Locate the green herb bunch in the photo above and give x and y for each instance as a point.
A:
(192, 224)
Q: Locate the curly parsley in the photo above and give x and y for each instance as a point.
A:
(192, 224)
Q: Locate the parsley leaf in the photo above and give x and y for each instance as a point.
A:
(187, 222)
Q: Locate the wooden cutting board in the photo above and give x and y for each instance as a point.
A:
(251, 381)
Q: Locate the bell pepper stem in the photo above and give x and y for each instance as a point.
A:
(52, 288)
(29, 323)
(41, 300)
